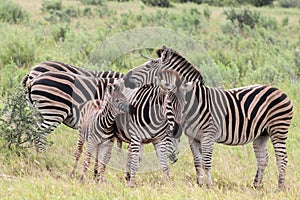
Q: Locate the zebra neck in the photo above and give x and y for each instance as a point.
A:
(106, 118)
(186, 69)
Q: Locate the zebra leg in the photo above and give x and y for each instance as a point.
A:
(96, 166)
(195, 146)
(105, 155)
(77, 155)
(87, 160)
(160, 148)
(261, 154)
(279, 142)
(207, 150)
(127, 170)
(135, 147)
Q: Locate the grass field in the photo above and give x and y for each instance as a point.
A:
(262, 55)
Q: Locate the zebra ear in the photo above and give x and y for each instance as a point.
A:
(188, 86)
(164, 54)
(160, 50)
(110, 89)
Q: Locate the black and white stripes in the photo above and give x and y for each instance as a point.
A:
(233, 117)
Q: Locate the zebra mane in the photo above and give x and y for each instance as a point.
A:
(169, 55)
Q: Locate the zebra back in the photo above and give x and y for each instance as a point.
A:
(55, 66)
(59, 94)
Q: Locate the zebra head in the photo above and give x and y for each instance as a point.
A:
(174, 103)
(168, 59)
(118, 101)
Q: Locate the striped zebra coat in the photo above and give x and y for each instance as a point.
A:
(236, 117)
(97, 127)
(148, 123)
(239, 134)
(55, 66)
(57, 95)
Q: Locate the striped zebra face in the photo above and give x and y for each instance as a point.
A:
(118, 100)
(174, 105)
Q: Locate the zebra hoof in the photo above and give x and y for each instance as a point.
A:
(199, 181)
(71, 175)
(131, 184)
(127, 177)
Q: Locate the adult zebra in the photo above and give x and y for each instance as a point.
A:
(148, 123)
(234, 117)
(57, 96)
(55, 66)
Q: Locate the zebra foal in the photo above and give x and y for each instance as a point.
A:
(97, 127)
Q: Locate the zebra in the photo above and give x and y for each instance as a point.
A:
(57, 96)
(236, 117)
(148, 123)
(97, 127)
(55, 66)
(226, 117)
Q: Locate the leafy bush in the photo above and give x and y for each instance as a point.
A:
(11, 80)
(158, 3)
(92, 2)
(194, 1)
(12, 13)
(243, 17)
(289, 3)
(51, 5)
(16, 48)
(60, 31)
(259, 3)
(18, 123)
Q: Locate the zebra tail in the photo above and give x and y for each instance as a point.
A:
(24, 80)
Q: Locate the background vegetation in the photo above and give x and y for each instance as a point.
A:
(250, 43)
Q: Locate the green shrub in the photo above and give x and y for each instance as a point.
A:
(18, 122)
(243, 17)
(259, 3)
(17, 48)
(194, 1)
(289, 3)
(268, 23)
(60, 31)
(157, 3)
(12, 13)
(92, 2)
(51, 5)
(11, 80)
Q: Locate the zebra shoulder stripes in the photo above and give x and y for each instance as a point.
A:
(97, 127)
(55, 66)
(57, 96)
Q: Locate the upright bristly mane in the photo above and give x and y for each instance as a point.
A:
(170, 57)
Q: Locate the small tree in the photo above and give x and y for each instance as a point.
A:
(18, 123)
